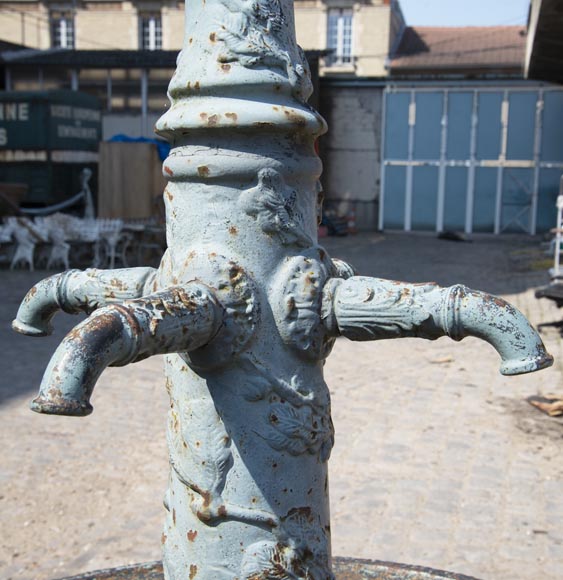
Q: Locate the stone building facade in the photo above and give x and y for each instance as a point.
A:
(359, 34)
(93, 25)
(124, 52)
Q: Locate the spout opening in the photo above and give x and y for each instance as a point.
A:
(69, 408)
(32, 330)
(528, 365)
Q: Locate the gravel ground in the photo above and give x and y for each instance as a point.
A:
(439, 460)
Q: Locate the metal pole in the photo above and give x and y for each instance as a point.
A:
(537, 160)
(144, 100)
(381, 220)
(8, 79)
(470, 199)
(441, 201)
(505, 108)
(74, 80)
(109, 89)
(410, 169)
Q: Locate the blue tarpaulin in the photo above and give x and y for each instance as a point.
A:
(162, 146)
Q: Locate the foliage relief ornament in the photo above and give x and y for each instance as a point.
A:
(254, 34)
(300, 552)
(273, 204)
(201, 456)
(297, 418)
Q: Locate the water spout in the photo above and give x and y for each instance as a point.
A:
(76, 291)
(362, 308)
(179, 319)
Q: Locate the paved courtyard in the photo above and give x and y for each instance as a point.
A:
(439, 460)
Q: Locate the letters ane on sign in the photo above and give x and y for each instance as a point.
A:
(14, 111)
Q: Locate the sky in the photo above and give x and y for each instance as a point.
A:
(465, 12)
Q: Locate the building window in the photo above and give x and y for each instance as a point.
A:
(62, 30)
(339, 36)
(151, 32)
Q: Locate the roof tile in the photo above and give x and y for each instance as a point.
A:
(427, 48)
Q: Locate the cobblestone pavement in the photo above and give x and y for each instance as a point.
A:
(439, 460)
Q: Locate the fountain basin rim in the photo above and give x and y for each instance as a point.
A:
(344, 569)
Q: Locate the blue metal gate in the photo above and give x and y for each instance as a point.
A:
(475, 159)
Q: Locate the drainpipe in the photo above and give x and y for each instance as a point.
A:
(246, 305)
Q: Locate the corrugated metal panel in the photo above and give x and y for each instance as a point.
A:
(428, 126)
(395, 184)
(455, 202)
(424, 204)
(552, 143)
(521, 125)
(516, 197)
(489, 125)
(397, 126)
(478, 159)
(549, 190)
(459, 125)
(485, 197)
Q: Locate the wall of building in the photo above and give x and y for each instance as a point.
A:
(117, 20)
(25, 23)
(371, 35)
(351, 150)
(310, 24)
(371, 39)
(115, 25)
(99, 25)
(173, 27)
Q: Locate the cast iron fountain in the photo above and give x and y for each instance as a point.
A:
(246, 305)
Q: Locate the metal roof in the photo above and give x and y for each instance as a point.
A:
(91, 58)
(59, 57)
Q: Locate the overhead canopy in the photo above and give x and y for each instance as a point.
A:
(544, 51)
(91, 58)
(16, 55)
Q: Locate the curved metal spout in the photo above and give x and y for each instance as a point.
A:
(179, 319)
(78, 291)
(363, 308)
